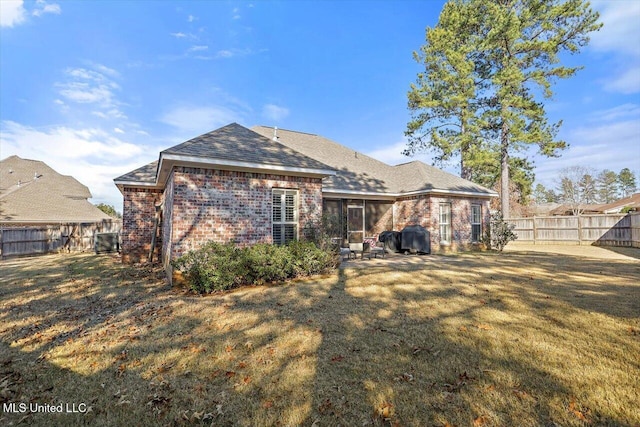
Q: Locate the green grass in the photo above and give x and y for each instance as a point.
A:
(518, 338)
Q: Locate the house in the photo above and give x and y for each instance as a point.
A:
(32, 193)
(631, 202)
(267, 185)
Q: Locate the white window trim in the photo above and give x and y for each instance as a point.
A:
(283, 222)
(442, 238)
(476, 205)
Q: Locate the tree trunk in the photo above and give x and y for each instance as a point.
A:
(465, 171)
(504, 170)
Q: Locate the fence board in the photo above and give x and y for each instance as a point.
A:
(40, 239)
(605, 230)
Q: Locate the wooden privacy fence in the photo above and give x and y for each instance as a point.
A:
(41, 239)
(601, 230)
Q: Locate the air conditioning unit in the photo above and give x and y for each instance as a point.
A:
(107, 242)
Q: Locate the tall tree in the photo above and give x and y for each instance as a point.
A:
(543, 195)
(523, 40)
(607, 186)
(574, 189)
(627, 182)
(588, 188)
(514, 46)
(443, 101)
(109, 210)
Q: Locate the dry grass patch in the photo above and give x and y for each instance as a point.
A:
(477, 339)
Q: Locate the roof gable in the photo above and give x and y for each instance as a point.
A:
(237, 143)
(231, 147)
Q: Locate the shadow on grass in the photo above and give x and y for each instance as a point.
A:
(444, 340)
(630, 252)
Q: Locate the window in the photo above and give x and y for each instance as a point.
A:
(445, 222)
(476, 223)
(285, 216)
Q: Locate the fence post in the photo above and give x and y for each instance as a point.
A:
(579, 229)
(535, 229)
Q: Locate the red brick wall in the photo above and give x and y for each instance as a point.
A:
(137, 223)
(425, 211)
(232, 206)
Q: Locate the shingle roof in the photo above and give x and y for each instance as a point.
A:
(237, 143)
(358, 172)
(144, 174)
(229, 145)
(31, 191)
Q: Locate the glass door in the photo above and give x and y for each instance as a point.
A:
(355, 224)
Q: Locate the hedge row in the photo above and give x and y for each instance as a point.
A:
(217, 266)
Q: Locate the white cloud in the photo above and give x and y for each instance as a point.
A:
(274, 112)
(625, 82)
(620, 30)
(42, 7)
(12, 12)
(118, 130)
(620, 36)
(194, 121)
(624, 111)
(179, 35)
(609, 140)
(198, 48)
(85, 93)
(230, 53)
(92, 156)
(94, 86)
(191, 18)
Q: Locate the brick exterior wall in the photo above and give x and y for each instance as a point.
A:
(223, 206)
(137, 223)
(425, 211)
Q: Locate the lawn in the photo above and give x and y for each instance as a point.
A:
(524, 338)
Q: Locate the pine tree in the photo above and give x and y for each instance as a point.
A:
(487, 63)
(626, 182)
(444, 99)
(607, 186)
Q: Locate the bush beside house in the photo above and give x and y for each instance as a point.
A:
(222, 266)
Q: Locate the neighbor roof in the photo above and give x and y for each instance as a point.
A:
(361, 174)
(31, 191)
(632, 201)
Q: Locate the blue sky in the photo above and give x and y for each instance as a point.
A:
(98, 88)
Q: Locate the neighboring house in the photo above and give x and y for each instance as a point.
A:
(632, 202)
(31, 193)
(249, 186)
(541, 209)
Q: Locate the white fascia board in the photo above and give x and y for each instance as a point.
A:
(136, 183)
(368, 194)
(351, 194)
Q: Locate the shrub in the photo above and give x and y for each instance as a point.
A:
(500, 232)
(217, 267)
(267, 263)
(213, 267)
(309, 259)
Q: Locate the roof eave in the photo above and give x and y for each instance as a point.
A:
(339, 192)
